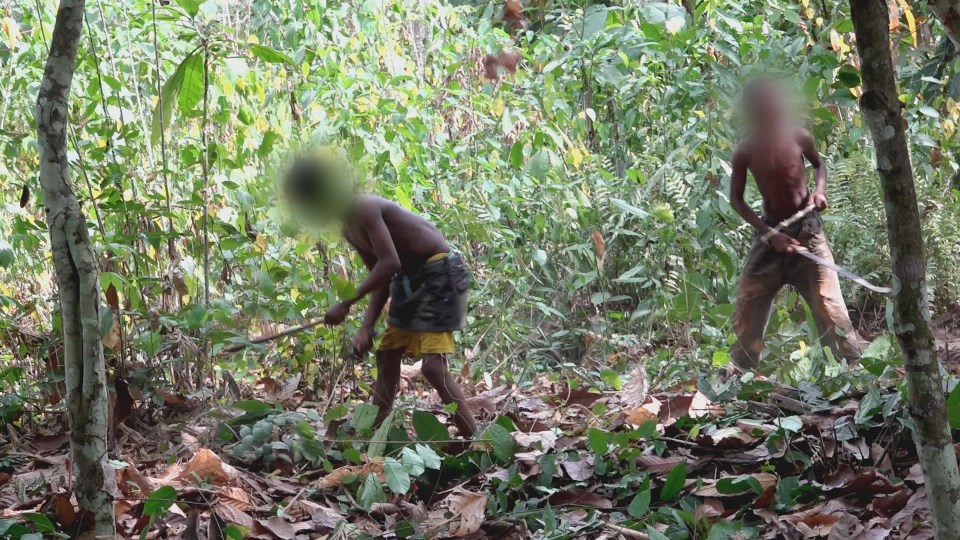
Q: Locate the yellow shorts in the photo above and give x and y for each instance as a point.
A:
(416, 343)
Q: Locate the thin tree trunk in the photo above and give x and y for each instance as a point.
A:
(882, 111)
(948, 12)
(77, 276)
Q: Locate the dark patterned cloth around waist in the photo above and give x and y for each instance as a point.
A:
(811, 223)
(432, 298)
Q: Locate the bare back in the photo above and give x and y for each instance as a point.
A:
(414, 238)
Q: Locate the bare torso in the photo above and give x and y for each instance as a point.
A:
(414, 238)
(778, 168)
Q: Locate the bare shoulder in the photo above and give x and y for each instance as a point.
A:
(368, 207)
(743, 150)
(803, 136)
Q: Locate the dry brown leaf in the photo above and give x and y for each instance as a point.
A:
(730, 437)
(640, 416)
(232, 514)
(579, 497)
(571, 397)
(817, 525)
(278, 527)
(205, 466)
(579, 470)
(468, 509)
(635, 392)
(546, 439)
(64, 511)
(599, 246)
(131, 474)
(324, 517)
(235, 497)
(336, 478)
(847, 527)
(659, 465)
(889, 505)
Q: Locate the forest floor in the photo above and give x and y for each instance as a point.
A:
(713, 457)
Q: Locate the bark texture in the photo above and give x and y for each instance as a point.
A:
(77, 277)
(882, 111)
(948, 12)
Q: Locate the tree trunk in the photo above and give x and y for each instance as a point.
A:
(78, 280)
(882, 111)
(948, 12)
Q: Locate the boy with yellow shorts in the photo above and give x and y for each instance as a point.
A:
(410, 264)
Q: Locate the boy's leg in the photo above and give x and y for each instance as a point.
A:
(820, 287)
(758, 286)
(388, 379)
(435, 370)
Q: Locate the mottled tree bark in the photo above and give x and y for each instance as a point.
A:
(882, 111)
(948, 12)
(77, 277)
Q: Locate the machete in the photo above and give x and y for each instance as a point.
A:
(819, 260)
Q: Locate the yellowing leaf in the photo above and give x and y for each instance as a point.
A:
(12, 29)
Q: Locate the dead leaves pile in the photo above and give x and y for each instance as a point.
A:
(604, 464)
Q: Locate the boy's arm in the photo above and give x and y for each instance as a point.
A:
(810, 152)
(386, 264)
(738, 184)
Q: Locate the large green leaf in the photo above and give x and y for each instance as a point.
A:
(502, 442)
(271, 56)
(159, 501)
(371, 492)
(170, 94)
(674, 484)
(398, 479)
(428, 428)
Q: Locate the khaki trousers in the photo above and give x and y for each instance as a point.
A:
(767, 271)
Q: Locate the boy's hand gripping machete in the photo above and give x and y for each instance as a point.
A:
(819, 260)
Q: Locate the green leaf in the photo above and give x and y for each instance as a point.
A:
(655, 534)
(7, 256)
(344, 288)
(674, 485)
(431, 459)
(190, 6)
(594, 20)
(40, 522)
(629, 208)
(159, 501)
(253, 406)
(412, 461)
(371, 492)
(739, 484)
(233, 532)
(191, 87)
(640, 504)
(723, 530)
(271, 56)
(849, 76)
(398, 479)
(170, 95)
(539, 165)
(379, 442)
(792, 424)
(364, 415)
(953, 408)
(501, 440)
(597, 440)
(428, 428)
(5, 525)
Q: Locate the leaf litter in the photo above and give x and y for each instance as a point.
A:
(575, 462)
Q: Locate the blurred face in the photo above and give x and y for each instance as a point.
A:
(767, 107)
(317, 192)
